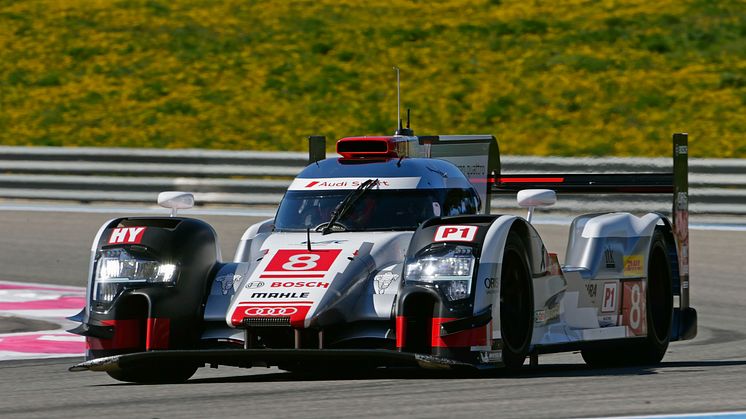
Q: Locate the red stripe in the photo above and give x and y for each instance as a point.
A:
(158, 333)
(401, 330)
(307, 276)
(126, 335)
(264, 303)
(469, 337)
(532, 180)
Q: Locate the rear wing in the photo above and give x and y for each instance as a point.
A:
(675, 183)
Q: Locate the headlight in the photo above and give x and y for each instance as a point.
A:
(117, 269)
(448, 267)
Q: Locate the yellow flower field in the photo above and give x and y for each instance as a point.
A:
(570, 77)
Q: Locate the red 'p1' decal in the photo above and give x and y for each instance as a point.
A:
(126, 235)
(609, 301)
(455, 233)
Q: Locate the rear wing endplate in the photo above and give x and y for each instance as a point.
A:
(477, 156)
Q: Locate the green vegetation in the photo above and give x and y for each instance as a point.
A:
(572, 77)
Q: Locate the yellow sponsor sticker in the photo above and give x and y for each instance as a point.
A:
(633, 265)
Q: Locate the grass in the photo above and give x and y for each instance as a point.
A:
(572, 77)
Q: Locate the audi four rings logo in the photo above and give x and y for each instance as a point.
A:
(271, 311)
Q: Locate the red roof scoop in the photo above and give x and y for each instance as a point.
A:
(367, 147)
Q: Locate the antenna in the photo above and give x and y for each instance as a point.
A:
(400, 130)
(398, 99)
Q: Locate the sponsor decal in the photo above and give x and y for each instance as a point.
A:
(270, 311)
(254, 284)
(554, 266)
(126, 235)
(271, 295)
(492, 356)
(300, 184)
(633, 265)
(455, 233)
(609, 298)
(383, 280)
(609, 258)
(296, 311)
(553, 313)
(540, 316)
(609, 320)
(228, 283)
(322, 242)
(300, 284)
(682, 200)
(634, 307)
(490, 283)
(287, 261)
(682, 149)
(592, 290)
(546, 316)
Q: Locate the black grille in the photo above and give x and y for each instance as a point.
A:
(266, 321)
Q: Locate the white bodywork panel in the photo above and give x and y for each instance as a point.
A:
(338, 274)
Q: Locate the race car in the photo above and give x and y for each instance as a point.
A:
(387, 255)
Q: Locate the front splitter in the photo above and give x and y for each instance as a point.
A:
(371, 358)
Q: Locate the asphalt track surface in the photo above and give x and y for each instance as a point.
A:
(707, 374)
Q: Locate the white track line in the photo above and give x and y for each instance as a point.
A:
(735, 414)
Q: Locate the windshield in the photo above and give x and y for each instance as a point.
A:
(378, 209)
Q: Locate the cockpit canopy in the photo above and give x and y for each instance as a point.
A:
(407, 192)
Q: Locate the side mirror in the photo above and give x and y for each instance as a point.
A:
(532, 198)
(176, 200)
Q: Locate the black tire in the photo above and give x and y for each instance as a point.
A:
(516, 303)
(659, 302)
(155, 375)
(659, 313)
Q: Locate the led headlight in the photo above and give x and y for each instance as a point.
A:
(449, 267)
(117, 269)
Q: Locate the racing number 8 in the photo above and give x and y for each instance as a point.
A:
(635, 313)
(301, 262)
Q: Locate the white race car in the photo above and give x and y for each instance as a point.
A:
(387, 256)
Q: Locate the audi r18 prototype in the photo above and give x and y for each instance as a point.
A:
(388, 256)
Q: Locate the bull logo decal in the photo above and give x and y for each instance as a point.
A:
(227, 283)
(383, 280)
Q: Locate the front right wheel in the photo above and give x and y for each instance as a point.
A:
(516, 303)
